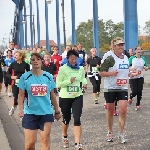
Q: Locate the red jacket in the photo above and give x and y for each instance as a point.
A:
(58, 58)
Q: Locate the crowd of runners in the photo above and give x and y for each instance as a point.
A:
(35, 78)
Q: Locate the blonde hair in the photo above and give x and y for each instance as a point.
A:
(22, 53)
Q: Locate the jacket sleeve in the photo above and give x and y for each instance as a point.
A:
(60, 82)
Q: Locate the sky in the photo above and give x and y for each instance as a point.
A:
(107, 9)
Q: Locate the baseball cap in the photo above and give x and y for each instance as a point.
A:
(119, 41)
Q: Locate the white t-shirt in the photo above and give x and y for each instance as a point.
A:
(109, 53)
(64, 55)
(5, 52)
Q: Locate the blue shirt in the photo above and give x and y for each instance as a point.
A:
(80, 61)
(8, 61)
(38, 88)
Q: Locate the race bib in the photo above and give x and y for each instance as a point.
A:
(16, 81)
(81, 55)
(95, 69)
(121, 82)
(38, 89)
(73, 90)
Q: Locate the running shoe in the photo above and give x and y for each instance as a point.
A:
(110, 137)
(65, 142)
(9, 94)
(78, 147)
(5, 89)
(137, 108)
(116, 113)
(121, 138)
(96, 101)
(105, 106)
(130, 101)
(12, 110)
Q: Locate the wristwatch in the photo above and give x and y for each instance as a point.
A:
(58, 112)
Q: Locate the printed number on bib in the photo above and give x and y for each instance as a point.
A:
(121, 82)
(38, 89)
(94, 69)
(16, 81)
(73, 90)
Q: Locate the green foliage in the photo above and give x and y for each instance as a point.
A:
(107, 31)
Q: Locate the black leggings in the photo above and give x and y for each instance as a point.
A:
(76, 104)
(7, 81)
(136, 86)
(96, 84)
(15, 91)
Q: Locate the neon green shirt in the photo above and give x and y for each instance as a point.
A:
(68, 89)
(27, 59)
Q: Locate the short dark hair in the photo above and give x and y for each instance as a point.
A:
(56, 47)
(37, 55)
(72, 52)
(9, 51)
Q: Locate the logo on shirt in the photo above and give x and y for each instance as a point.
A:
(123, 66)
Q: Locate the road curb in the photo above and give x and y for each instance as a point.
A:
(4, 144)
(147, 84)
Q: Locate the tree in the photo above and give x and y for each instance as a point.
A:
(107, 31)
(146, 46)
(147, 27)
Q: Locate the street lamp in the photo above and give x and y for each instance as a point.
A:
(33, 25)
(49, 1)
(64, 28)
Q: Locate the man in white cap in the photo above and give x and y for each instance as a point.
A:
(115, 69)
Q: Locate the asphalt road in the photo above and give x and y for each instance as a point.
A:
(137, 128)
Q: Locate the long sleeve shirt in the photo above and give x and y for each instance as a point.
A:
(68, 89)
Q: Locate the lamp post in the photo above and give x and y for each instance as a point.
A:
(46, 22)
(33, 28)
(63, 16)
(38, 22)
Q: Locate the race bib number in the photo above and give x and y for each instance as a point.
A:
(73, 90)
(16, 81)
(94, 69)
(38, 89)
(121, 82)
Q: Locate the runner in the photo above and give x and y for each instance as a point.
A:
(110, 53)
(38, 86)
(11, 47)
(64, 54)
(15, 71)
(8, 60)
(138, 63)
(116, 70)
(49, 66)
(2, 65)
(94, 62)
(70, 96)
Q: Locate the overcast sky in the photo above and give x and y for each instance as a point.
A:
(108, 9)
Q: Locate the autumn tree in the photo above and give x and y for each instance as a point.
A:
(146, 46)
(107, 31)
